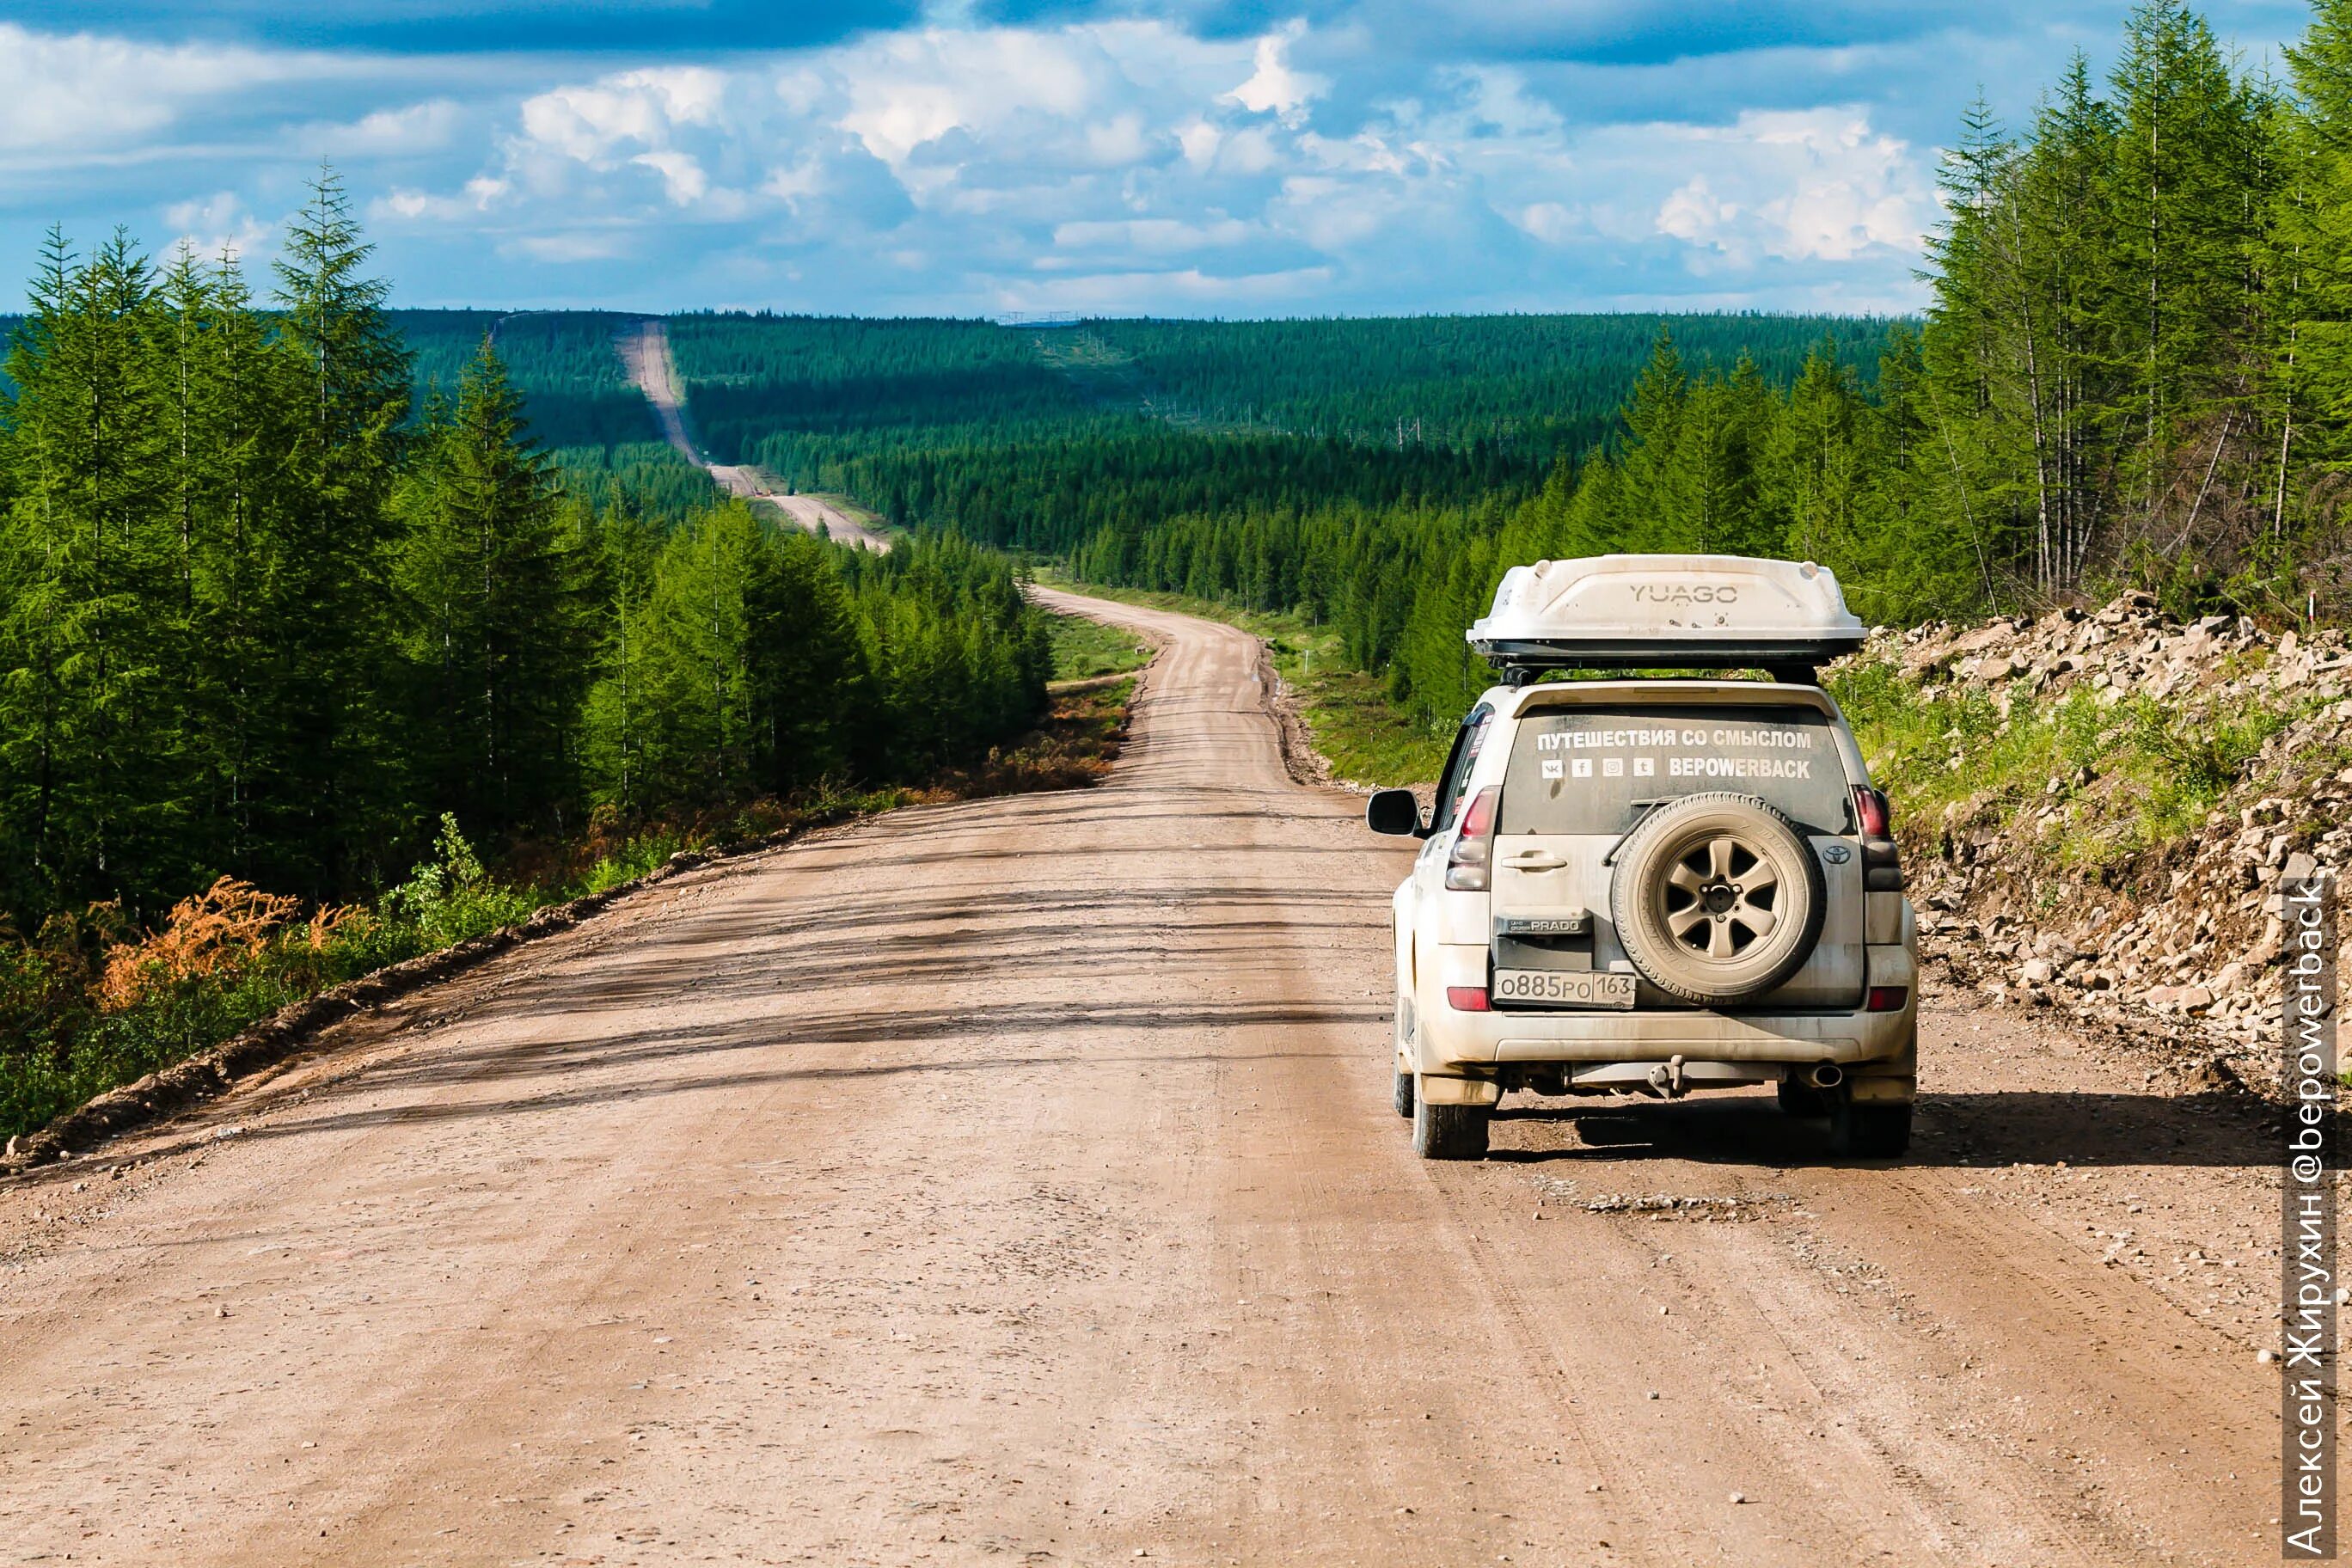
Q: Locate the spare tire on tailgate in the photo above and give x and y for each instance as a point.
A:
(1716, 897)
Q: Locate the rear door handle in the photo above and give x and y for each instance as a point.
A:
(1535, 860)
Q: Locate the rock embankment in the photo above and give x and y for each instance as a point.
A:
(2111, 835)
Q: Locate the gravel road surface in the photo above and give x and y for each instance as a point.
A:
(1015, 1180)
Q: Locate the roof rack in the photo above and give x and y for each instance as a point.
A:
(1644, 611)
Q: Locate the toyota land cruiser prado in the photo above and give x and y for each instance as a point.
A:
(1655, 886)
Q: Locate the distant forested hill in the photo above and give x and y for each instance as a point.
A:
(1543, 384)
(1037, 437)
(562, 362)
(1538, 386)
(577, 398)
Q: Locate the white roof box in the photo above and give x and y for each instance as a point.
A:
(1710, 611)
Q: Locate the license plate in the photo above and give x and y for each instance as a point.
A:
(1564, 987)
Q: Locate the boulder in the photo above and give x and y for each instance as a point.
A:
(1982, 637)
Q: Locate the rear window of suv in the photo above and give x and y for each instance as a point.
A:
(1597, 770)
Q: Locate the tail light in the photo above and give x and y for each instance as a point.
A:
(1469, 867)
(1882, 863)
(1872, 810)
(1886, 998)
(1468, 999)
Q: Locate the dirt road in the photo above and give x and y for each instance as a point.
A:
(645, 350)
(1015, 1182)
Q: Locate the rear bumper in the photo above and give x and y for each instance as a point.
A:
(1842, 1037)
(1476, 1043)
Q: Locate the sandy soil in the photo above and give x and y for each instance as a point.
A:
(1015, 1180)
(645, 350)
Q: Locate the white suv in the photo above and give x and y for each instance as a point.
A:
(1655, 886)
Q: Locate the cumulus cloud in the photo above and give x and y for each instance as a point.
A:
(639, 108)
(1274, 87)
(218, 228)
(1135, 165)
(69, 96)
(1822, 186)
(1126, 163)
(402, 131)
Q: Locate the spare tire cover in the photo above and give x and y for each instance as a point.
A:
(1717, 898)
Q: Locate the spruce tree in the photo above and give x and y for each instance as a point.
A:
(93, 622)
(342, 798)
(499, 636)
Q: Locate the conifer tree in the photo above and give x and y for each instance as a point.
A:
(499, 636)
(90, 734)
(341, 772)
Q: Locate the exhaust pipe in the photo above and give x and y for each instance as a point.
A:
(1825, 1075)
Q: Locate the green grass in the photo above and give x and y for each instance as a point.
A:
(1084, 649)
(1367, 738)
(2102, 781)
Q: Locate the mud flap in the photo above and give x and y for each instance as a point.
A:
(1436, 1090)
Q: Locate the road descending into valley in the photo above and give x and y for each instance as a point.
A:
(1015, 1182)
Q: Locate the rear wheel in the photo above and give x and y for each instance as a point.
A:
(1404, 1095)
(1875, 1131)
(1449, 1132)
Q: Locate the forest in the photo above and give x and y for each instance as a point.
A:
(594, 425)
(1034, 436)
(272, 602)
(1535, 385)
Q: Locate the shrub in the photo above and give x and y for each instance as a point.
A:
(452, 897)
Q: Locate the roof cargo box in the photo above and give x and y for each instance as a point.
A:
(1709, 612)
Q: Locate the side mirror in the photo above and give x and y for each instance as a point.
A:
(1394, 812)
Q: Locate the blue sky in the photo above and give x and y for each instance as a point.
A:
(886, 157)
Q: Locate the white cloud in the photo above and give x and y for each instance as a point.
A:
(404, 203)
(1694, 214)
(1552, 222)
(908, 91)
(1152, 236)
(66, 96)
(645, 108)
(416, 128)
(1821, 185)
(1274, 88)
(569, 245)
(217, 227)
(804, 178)
(1088, 158)
(682, 177)
(1126, 165)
